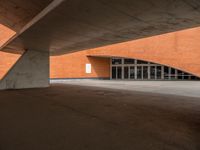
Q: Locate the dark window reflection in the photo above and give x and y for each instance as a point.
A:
(129, 61)
(116, 61)
(126, 72)
(159, 72)
(119, 72)
(114, 72)
(132, 72)
(145, 72)
(139, 72)
(152, 72)
(139, 69)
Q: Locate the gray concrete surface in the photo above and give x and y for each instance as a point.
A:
(15, 14)
(72, 117)
(182, 88)
(76, 25)
(30, 71)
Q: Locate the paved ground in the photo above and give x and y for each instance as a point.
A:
(182, 88)
(71, 117)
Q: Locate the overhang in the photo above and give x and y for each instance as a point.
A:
(73, 25)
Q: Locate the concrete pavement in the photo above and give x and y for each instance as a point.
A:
(182, 88)
(95, 118)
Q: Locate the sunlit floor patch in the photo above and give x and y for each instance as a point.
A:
(181, 88)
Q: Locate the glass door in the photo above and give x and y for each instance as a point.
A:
(126, 72)
(119, 72)
(152, 72)
(132, 72)
(139, 72)
(159, 72)
(145, 72)
(114, 72)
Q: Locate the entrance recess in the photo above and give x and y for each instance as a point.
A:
(133, 69)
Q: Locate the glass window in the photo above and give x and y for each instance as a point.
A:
(139, 72)
(126, 72)
(145, 72)
(119, 72)
(116, 61)
(180, 75)
(194, 78)
(152, 72)
(141, 62)
(132, 72)
(173, 74)
(114, 72)
(186, 76)
(166, 72)
(129, 61)
(159, 72)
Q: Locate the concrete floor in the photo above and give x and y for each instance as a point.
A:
(182, 88)
(76, 117)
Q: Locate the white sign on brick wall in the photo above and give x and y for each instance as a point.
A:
(88, 68)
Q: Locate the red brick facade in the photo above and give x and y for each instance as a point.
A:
(7, 60)
(74, 66)
(180, 50)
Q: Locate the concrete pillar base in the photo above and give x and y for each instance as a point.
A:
(30, 71)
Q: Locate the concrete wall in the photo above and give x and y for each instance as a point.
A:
(30, 71)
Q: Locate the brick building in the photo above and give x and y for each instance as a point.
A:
(169, 56)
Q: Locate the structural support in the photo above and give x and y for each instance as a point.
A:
(30, 71)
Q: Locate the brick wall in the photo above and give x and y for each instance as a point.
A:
(179, 49)
(7, 60)
(74, 66)
(5, 34)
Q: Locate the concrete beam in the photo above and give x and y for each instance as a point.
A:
(30, 71)
(75, 25)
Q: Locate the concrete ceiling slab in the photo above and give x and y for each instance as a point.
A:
(78, 24)
(17, 13)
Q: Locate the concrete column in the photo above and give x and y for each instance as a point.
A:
(135, 69)
(142, 72)
(30, 71)
(122, 68)
(162, 73)
(149, 73)
(176, 74)
(110, 68)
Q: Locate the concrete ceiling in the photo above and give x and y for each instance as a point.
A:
(72, 25)
(17, 13)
